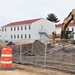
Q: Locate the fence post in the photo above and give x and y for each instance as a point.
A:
(61, 54)
(32, 54)
(20, 53)
(45, 54)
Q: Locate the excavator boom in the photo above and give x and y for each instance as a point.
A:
(65, 23)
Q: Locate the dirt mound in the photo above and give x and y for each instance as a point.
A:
(10, 43)
(64, 50)
(37, 48)
(32, 49)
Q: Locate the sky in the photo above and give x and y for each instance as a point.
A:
(20, 10)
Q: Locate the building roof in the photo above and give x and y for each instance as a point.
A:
(22, 22)
(70, 24)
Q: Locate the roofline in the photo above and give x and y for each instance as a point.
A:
(70, 24)
(30, 21)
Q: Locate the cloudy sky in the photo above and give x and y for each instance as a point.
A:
(18, 10)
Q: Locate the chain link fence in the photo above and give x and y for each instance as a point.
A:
(48, 53)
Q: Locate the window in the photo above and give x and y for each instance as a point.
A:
(11, 28)
(5, 29)
(21, 36)
(72, 28)
(29, 27)
(17, 36)
(25, 27)
(2, 29)
(25, 36)
(14, 36)
(17, 28)
(14, 28)
(29, 36)
(11, 36)
(21, 27)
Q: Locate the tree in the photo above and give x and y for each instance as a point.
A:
(52, 17)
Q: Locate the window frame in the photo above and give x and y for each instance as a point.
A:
(17, 28)
(14, 36)
(17, 36)
(29, 27)
(25, 27)
(21, 27)
(29, 35)
(5, 29)
(11, 36)
(21, 36)
(14, 28)
(25, 36)
(11, 29)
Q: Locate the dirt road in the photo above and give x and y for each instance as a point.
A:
(15, 72)
(32, 70)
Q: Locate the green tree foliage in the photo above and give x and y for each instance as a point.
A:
(52, 17)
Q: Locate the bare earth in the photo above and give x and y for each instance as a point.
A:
(32, 70)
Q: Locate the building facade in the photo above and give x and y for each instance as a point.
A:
(39, 29)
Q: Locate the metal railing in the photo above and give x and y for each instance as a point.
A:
(43, 31)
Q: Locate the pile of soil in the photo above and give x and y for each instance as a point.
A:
(37, 48)
(64, 50)
(32, 49)
(10, 43)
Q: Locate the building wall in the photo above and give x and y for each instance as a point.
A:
(33, 32)
(6, 35)
(43, 23)
(58, 30)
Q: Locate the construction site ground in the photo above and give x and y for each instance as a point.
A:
(32, 70)
(53, 55)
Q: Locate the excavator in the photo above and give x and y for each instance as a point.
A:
(65, 23)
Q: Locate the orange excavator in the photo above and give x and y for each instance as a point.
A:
(65, 23)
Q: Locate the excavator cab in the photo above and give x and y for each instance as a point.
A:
(69, 34)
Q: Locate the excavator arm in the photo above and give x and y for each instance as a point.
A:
(65, 23)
